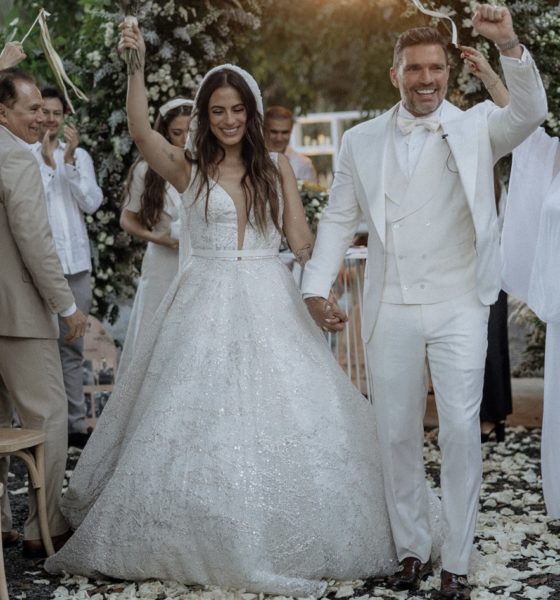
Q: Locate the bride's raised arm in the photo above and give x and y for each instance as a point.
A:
(165, 159)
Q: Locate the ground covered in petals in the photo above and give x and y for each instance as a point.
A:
(517, 556)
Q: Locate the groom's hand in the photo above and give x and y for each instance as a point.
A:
(326, 313)
(495, 24)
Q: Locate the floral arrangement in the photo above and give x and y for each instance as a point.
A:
(314, 198)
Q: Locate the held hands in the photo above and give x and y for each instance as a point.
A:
(131, 39)
(326, 313)
(77, 323)
(494, 23)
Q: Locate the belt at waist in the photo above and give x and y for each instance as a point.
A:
(252, 254)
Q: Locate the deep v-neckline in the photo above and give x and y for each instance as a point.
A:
(239, 246)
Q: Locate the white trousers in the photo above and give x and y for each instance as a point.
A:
(451, 337)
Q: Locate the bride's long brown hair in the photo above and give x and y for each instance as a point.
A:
(260, 180)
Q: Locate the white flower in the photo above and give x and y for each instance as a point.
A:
(344, 591)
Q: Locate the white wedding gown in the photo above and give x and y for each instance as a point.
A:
(235, 451)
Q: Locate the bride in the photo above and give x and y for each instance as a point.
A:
(234, 451)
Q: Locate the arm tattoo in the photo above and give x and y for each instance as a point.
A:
(303, 254)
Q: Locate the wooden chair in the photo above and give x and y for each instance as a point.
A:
(3, 586)
(28, 445)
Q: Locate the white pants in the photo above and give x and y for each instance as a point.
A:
(452, 338)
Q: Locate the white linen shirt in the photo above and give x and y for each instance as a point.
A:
(70, 191)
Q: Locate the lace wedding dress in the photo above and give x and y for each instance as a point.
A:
(235, 451)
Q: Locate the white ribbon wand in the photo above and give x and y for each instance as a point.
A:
(438, 15)
(54, 59)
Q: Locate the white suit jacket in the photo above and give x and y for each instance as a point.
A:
(477, 139)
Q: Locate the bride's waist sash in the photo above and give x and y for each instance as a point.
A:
(252, 254)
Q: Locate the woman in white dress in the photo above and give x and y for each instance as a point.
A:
(151, 213)
(234, 450)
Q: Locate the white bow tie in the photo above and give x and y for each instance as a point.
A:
(406, 124)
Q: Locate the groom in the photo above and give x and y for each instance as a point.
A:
(421, 176)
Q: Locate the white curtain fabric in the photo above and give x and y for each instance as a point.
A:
(531, 272)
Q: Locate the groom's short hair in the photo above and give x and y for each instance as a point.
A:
(418, 36)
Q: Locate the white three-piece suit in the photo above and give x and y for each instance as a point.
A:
(433, 269)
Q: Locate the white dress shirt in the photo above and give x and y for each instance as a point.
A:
(409, 147)
(71, 191)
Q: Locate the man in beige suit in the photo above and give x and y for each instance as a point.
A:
(421, 175)
(33, 291)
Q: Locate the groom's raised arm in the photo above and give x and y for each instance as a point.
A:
(527, 107)
(337, 227)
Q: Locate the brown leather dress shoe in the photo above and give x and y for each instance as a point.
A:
(35, 548)
(10, 538)
(454, 587)
(410, 574)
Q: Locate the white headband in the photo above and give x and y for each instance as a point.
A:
(249, 80)
(171, 104)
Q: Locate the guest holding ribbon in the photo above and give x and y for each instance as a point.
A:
(11, 55)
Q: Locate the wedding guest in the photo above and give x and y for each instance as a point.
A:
(32, 290)
(71, 191)
(433, 270)
(278, 125)
(151, 212)
(530, 248)
(12, 54)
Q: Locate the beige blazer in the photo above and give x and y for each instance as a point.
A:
(32, 285)
(477, 138)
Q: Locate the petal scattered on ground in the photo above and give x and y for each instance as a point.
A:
(517, 546)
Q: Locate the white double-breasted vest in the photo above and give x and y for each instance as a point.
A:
(430, 253)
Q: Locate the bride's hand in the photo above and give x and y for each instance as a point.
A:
(131, 38)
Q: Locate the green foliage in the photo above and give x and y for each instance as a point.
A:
(328, 54)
